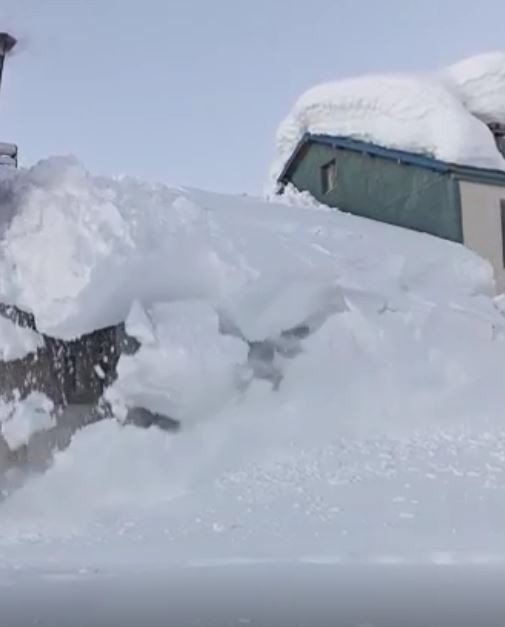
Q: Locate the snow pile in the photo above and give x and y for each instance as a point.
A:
(437, 114)
(185, 368)
(318, 362)
(194, 360)
(21, 419)
(268, 330)
(79, 250)
(218, 290)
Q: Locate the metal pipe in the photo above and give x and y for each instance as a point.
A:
(8, 152)
(7, 44)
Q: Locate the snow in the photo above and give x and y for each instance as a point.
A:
(79, 250)
(338, 382)
(479, 82)
(185, 370)
(439, 114)
(21, 419)
(17, 342)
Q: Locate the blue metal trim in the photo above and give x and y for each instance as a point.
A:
(400, 156)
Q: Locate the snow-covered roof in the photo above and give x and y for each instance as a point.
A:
(479, 82)
(442, 115)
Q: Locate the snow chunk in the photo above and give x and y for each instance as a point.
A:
(17, 342)
(273, 305)
(19, 420)
(186, 370)
(65, 229)
(139, 325)
(403, 342)
(80, 249)
(479, 82)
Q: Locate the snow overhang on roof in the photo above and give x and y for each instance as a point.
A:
(443, 115)
(464, 172)
(479, 83)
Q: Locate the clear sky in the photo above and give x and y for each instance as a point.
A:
(190, 92)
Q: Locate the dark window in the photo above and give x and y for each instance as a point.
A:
(498, 131)
(329, 176)
(500, 142)
(502, 211)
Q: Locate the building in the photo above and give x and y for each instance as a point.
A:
(459, 203)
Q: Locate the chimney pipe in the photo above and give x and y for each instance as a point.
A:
(7, 44)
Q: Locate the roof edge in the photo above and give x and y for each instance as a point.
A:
(392, 154)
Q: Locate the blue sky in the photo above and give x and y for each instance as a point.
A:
(190, 92)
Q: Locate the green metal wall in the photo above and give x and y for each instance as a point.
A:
(384, 190)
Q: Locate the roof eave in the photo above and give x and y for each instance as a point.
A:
(401, 156)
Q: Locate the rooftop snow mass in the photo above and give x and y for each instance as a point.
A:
(443, 115)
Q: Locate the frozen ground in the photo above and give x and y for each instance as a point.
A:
(379, 457)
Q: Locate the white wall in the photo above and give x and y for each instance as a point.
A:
(482, 230)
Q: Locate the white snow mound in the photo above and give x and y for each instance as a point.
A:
(79, 250)
(389, 351)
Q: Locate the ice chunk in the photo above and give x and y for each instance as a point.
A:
(19, 420)
(139, 326)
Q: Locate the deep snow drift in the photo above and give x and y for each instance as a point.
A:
(441, 114)
(367, 426)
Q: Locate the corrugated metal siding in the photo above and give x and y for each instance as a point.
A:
(380, 189)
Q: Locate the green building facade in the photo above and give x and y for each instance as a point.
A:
(392, 186)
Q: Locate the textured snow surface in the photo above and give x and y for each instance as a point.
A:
(79, 250)
(384, 442)
(184, 369)
(438, 114)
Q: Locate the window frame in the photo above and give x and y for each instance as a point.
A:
(329, 176)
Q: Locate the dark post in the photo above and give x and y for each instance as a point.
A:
(7, 43)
